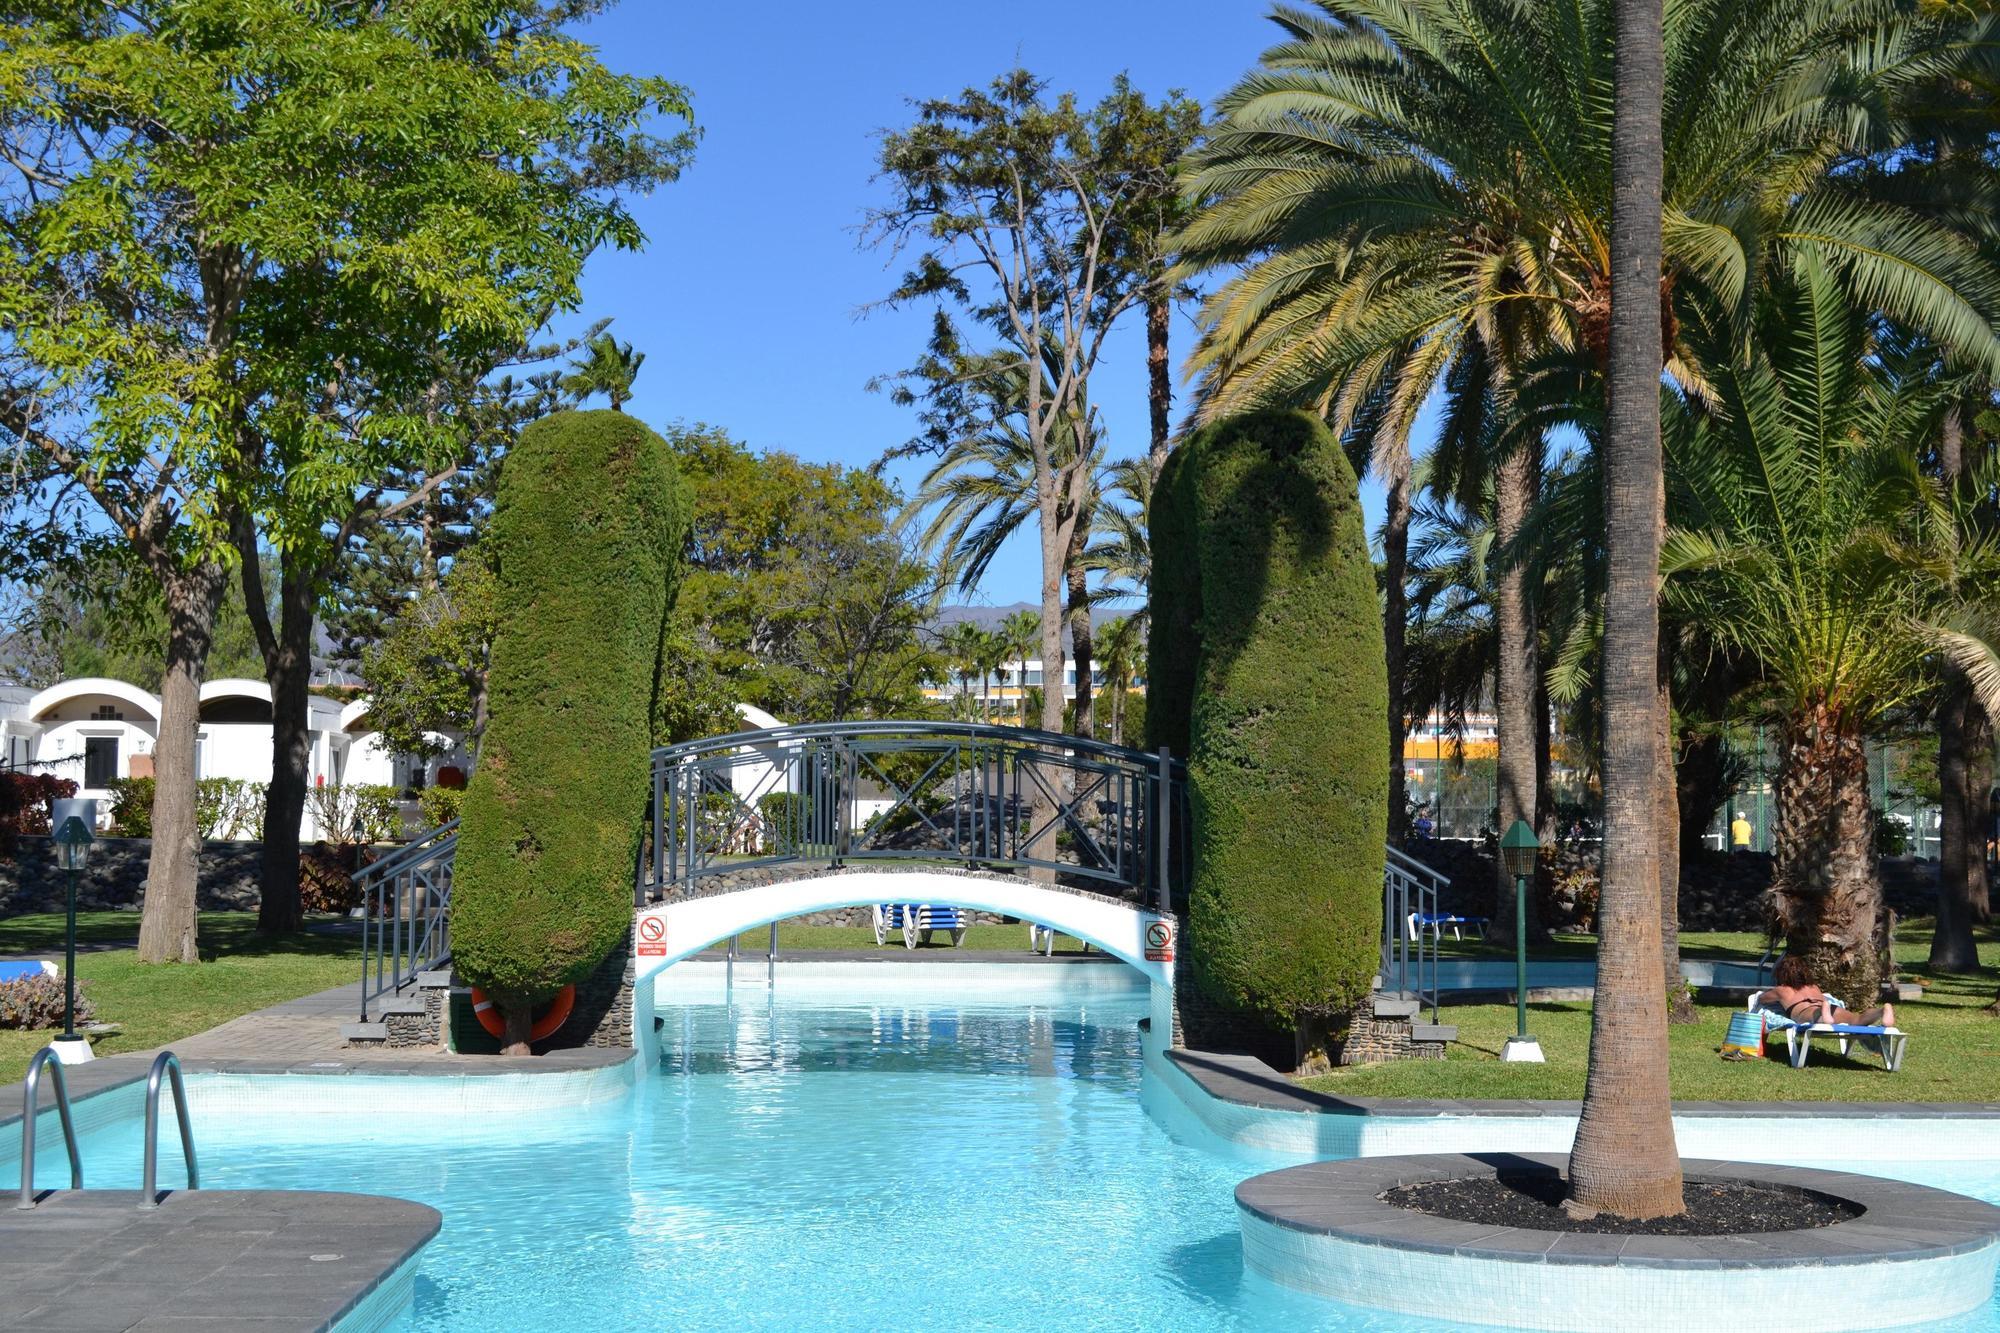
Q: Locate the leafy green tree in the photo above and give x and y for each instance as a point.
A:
(1020, 214)
(103, 617)
(551, 822)
(427, 675)
(607, 367)
(240, 240)
(800, 596)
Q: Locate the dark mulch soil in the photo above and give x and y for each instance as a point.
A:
(1714, 1208)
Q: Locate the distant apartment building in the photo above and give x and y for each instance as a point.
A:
(1002, 691)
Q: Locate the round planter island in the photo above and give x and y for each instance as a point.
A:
(1911, 1255)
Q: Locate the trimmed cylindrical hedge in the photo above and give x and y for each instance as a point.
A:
(1268, 673)
(588, 534)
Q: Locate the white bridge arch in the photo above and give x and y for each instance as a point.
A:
(668, 932)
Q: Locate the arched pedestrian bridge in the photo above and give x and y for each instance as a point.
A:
(762, 825)
(758, 826)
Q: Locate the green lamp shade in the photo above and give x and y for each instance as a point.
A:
(73, 841)
(1518, 848)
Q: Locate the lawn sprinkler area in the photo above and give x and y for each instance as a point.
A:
(809, 1146)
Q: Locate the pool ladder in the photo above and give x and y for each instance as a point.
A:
(166, 1065)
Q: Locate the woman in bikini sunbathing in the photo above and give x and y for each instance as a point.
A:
(1797, 998)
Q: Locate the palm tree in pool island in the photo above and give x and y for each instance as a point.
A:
(1624, 1160)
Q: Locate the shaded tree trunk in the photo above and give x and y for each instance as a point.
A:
(1395, 628)
(1546, 831)
(1826, 888)
(1963, 734)
(167, 922)
(1624, 1160)
(288, 670)
(517, 1019)
(1159, 377)
(1965, 760)
(1514, 677)
(1680, 1005)
(1081, 641)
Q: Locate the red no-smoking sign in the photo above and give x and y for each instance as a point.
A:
(1159, 941)
(652, 936)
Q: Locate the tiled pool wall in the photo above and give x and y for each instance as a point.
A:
(1265, 1133)
(1531, 1294)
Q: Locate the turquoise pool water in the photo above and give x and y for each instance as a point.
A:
(957, 1164)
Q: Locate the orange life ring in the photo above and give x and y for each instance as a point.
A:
(488, 1014)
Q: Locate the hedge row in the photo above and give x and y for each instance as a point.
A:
(1267, 671)
(587, 534)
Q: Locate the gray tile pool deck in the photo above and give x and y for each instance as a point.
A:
(273, 1260)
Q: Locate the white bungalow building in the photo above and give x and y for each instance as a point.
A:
(95, 731)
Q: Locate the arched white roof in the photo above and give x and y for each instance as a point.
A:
(755, 718)
(235, 687)
(63, 691)
(353, 713)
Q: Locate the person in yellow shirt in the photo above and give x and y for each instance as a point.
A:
(1739, 833)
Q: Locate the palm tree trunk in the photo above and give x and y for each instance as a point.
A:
(1825, 885)
(1515, 676)
(1964, 732)
(1624, 1160)
(1395, 615)
(1961, 837)
(1680, 1005)
(167, 921)
(1545, 795)
(1159, 376)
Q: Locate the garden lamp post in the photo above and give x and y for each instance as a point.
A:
(72, 842)
(1517, 853)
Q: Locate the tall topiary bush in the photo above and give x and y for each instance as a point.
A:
(1268, 673)
(587, 534)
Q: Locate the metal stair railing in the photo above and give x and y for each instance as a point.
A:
(1409, 965)
(169, 1064)
(30, 1097)
(406, 913)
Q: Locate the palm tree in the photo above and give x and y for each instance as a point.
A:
(608, 367)
(1810, 538)
(963, 645)
(1124, 642)
(1624, 1160)
(1022, 630)
(1398, 184)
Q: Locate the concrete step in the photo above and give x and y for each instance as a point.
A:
(399, 1004)
(1389, 1006)
(1433, 1032)
(435, 980)
(364, 1032)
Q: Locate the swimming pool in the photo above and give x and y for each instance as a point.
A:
(813, 1160)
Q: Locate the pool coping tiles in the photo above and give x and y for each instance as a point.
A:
(1324, 1228)
(267, 1259)
(1244, 1080)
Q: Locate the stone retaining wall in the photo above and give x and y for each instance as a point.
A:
(116, 877)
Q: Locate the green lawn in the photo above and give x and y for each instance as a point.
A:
(1954, 1051)
(243, 971)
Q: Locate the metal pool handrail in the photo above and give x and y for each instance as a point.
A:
(169, 1064)
(30, 1096)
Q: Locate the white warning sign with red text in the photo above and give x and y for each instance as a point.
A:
(1160, 940)
(652, 937)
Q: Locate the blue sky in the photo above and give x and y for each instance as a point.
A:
(748, 297)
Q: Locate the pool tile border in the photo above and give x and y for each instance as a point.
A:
(1244, 1080)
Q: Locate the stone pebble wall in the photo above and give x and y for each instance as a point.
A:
(1371, 1040)
(116, 876)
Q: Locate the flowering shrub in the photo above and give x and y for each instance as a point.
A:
(37, 1002)
(24, 803)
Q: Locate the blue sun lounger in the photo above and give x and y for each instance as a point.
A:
(916, 921)
(22, 971)
(1439, 922)
(1884, 1041)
